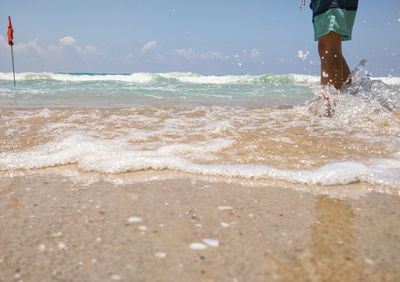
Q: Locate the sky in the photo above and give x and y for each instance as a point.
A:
(208, 37)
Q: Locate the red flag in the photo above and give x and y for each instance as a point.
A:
(10, 32)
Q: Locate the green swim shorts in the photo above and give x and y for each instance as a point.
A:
(334, 16)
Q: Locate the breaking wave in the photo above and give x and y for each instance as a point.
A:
(182, 77)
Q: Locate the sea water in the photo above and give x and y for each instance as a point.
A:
(252, 127)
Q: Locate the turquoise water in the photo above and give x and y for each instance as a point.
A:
(94, 90)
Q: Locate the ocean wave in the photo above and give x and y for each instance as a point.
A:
(390, 80)
(114, 156)
(182, 77)
(29, 76)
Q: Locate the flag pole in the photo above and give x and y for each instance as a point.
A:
(10, 35)
(12, 58)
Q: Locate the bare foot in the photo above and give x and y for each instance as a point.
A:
(329, 111)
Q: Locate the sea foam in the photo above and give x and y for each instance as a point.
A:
(117, 156)
(183, 77)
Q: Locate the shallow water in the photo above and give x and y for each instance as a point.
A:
(257, 127)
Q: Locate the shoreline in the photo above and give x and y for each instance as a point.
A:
(58, 228)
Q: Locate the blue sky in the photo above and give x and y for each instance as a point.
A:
(208, 37)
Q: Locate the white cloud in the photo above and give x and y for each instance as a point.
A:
(71, 42)
(29, 46)
(65, 51)
(186, 53)
(23, 46)
(87, 50)
(238, 59)
(193, 55)
(53, 48)
(3, 42)
(67, 41)
(148, 46)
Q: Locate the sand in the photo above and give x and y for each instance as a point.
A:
(55, 227)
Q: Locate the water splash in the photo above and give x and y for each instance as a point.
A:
(364, 98)
(373, 90)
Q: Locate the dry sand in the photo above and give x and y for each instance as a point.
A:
(53, 228)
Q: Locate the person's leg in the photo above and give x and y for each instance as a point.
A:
(346, 72)
(334, 68)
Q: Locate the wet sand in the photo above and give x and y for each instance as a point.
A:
(56, 229)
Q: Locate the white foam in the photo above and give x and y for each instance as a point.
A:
(135, 77)
(303, 78)
(184, 77)
(390, 80)
(211, 79)
(119, 156)
(190, 78)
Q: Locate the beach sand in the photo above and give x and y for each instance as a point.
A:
(57, 228)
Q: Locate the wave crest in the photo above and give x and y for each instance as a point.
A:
(182, 77)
